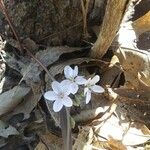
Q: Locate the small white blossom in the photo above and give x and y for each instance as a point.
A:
(72, 78)
(59, 95)
(91, 87)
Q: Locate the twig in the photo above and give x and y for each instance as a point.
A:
(4, 11)
(40, 63)
(84, 13)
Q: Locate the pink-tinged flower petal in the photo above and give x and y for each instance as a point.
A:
(69, 72)
(67, 101)
(73, 88)
(50, 95)
(88, 96)
(97, 89)
(56, 86)
(86, 89)
(75, 71)
(57, 106)
(94, 80)
(80, 80)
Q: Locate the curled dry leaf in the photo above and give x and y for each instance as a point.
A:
(10, 99)
(129, 105)
(136, 66)
(128, 133)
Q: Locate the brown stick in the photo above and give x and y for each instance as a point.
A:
(4, 11)
(112, 19)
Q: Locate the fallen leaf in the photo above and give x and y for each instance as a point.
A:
(52, 141)
(142, 24)
(116, 145)
(30, 101)
(58, 68)
(125, 132)
(112, 73)
(40, 146)
(135, 64)
(46, 57)
(6, 130)
(84, 139)
(10, 99)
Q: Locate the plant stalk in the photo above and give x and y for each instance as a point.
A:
(66, 129)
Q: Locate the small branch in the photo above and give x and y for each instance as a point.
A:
(40, 63)
(112, 19)
(84, 13)
(4, 11)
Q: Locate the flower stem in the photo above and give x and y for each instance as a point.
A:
(66, 128)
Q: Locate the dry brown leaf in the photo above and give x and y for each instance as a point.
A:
(116, 145)
(84, 139)
(122, 131)
(30, 101)
(46, 57)
(136, 64)
(6, 130)
(10, 99)
(40, 146)
(87, 140)
(142, 24)
(112, 72)
(51, 141)
(58, 68)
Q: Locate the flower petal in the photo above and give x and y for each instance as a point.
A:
(94, 80)
(50, 95)
(67, 101)
(56, 86)
(68, 72)
(88, 96)
(75, 71)
(57, 106)
(65, 86)
(80, 80)
(86, 89)
(74, 88)
(97, 89)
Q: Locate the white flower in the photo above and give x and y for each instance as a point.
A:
(59, 95)
(91, 87)
(72, 78)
